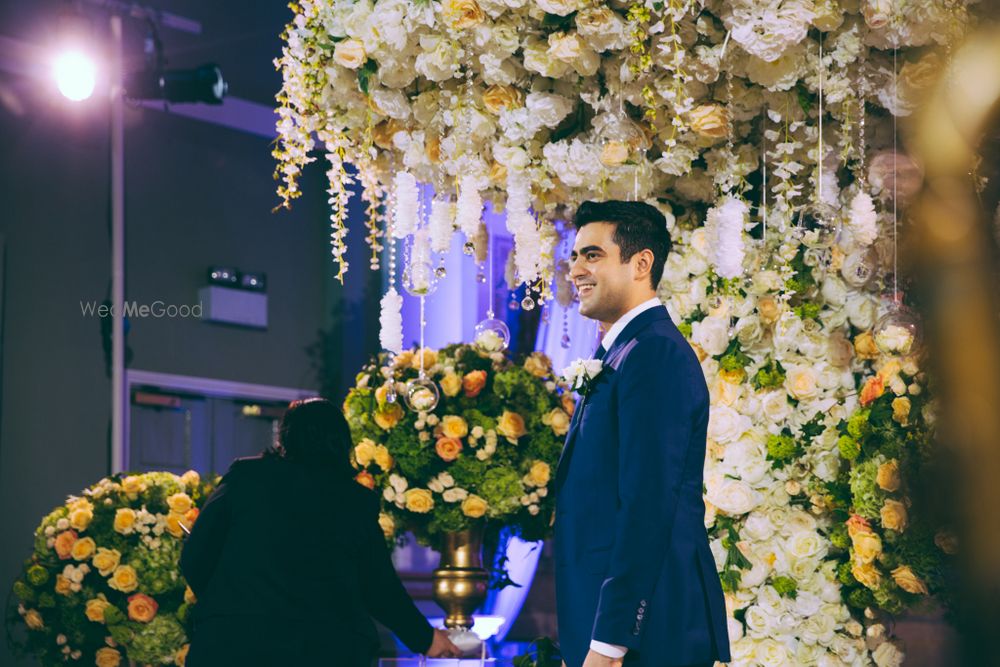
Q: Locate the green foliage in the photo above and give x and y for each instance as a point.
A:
(785, 586)
(733, 359)
(848, 447)
(866, 496)
(782, 448)
(770, 376)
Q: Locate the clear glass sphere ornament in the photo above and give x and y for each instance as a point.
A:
(621, 139)
(859, 267)
(419, 279)
(422, 394)
(754, 257)
(897, 332)
(491, 335)
(528, 303)
(817, 227)
(440, 272)
(390, 392)
(469, 247)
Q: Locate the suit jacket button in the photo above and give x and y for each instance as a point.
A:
(642, 603)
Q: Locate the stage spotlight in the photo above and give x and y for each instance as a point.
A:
(223, 275)
(201, 84)
(255, 282)
(75, 74)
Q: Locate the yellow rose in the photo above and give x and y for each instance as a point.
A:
(474, 507)
(769, 310)
(867, 574)
(383, 459)
(78, 504)
(614, 154)
(95, 609)
(191, 478)
(124, 579)
(33, 620)
(901, 410)
(365, 479)
(175, 524)
(865, 347)
(511, 425)
(498, 173)
(539, 474)
(419, 500)
(350, 53)
(83, 549)
(180, 503)
(894, 515)
(133, 485)
(710, 120)
(558, 420)
(867, 545)
(430, 358)
(538, 365)
(908, 581)
(387, 525)
(887, 476)
(142, 608)
(473, 383)
(448, 448)
(63, 585)
(80, 518)
(107, 657)
(124, 520)
(189, 596)
(451, 384)
(453, 426)
(64, 544)
(364, 452)
(568, 403)
(462, 14)
(733, 377)
(388, 416)
(496, 98)
(182, 655)
(889, 370)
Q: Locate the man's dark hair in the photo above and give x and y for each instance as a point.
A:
(314, 431)
(637, 226)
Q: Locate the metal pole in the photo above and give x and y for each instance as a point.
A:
(117, 249)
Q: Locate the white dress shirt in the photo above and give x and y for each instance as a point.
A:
(613, 650)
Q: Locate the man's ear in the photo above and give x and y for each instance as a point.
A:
(643, 262)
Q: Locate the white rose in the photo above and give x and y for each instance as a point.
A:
(726, 424)
(861, 310)
(735, 629)
(734, 497)
(547, 108)
(350, 53)
(602, 28)
(801, 383)
(455, 495)
(776, 407)
(536, 58)
(749, 330)
(771, 653)
(759, 622)
(558, 7)
(888, 655)
(758, 527)
(834, 290)
(806, 603)
(712, 334)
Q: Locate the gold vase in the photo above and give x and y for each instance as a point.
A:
(460, 581)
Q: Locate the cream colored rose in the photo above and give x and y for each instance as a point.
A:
(908, 581)
(539, 474)
(453, 426)
(877, 13)
(887, 476)
(867, 545)
(901, 410)
(364, 452)
(388, 416)
(383, 459)
(538, 364)
(180, 503)
(80, 518)
(511, 425)
(801, 382)
(95, 609)
(866, 574)
(557, 420)
(498, 98)
(769, 310)
(63, 585)
(474, 507)
(191, 478)
(387, 525)
(733, 497)
(33, 620)
(865, 347)
(558, 7)
(462, 14)
(83, 549)
(710, 121)
(124, 579)
(107, 657)
(614, 153)
(894, 515)
(124, 522)
(419, 500)
(133, 485)
(564, 46)
(350, 53)
(429, 357)
(451, 384)
(142, 608)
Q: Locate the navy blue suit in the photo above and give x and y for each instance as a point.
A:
(633, 565)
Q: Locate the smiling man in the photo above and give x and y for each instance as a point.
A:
(635, 579)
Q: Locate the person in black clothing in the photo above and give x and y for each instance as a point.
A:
(288, 562)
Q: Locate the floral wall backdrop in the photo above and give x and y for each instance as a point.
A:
(766, 131)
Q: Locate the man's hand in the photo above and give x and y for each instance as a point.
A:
(595, 659)
(441, 646)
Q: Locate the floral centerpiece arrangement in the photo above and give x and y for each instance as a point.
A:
(103, 585)
(487, 450)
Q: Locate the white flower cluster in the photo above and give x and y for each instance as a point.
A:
(725, 224)
(75, 574)
(391, 321)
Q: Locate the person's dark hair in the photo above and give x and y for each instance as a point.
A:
(637, 226)
(314, 431)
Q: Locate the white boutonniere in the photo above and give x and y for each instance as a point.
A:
(581, 374)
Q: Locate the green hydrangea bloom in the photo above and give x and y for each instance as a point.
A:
(157, 568)
(502, 488)
(844, 575)
(858, 425)
(860, 598)
(866, 496)
(781, 447)
(157, 641)
(785, 586)
(37, 575)
(849, 447)
(839, 537)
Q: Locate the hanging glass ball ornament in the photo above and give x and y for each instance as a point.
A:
(897, 332)
(621, 139)
(469, 247)
(859, 267)
(420, 279)
(422, 394)
(817, 227)
(528, 303)
(491, 335)
(390, 392)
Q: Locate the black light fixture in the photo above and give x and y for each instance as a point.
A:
(227, 276)
(201, 84)
(255, 282)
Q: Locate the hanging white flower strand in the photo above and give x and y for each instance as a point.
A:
(338, 198)
(863, 220)
(391, 321)
(441, 225)
(407, 205)
(522, 225)
(469, 208)
(724, 225)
